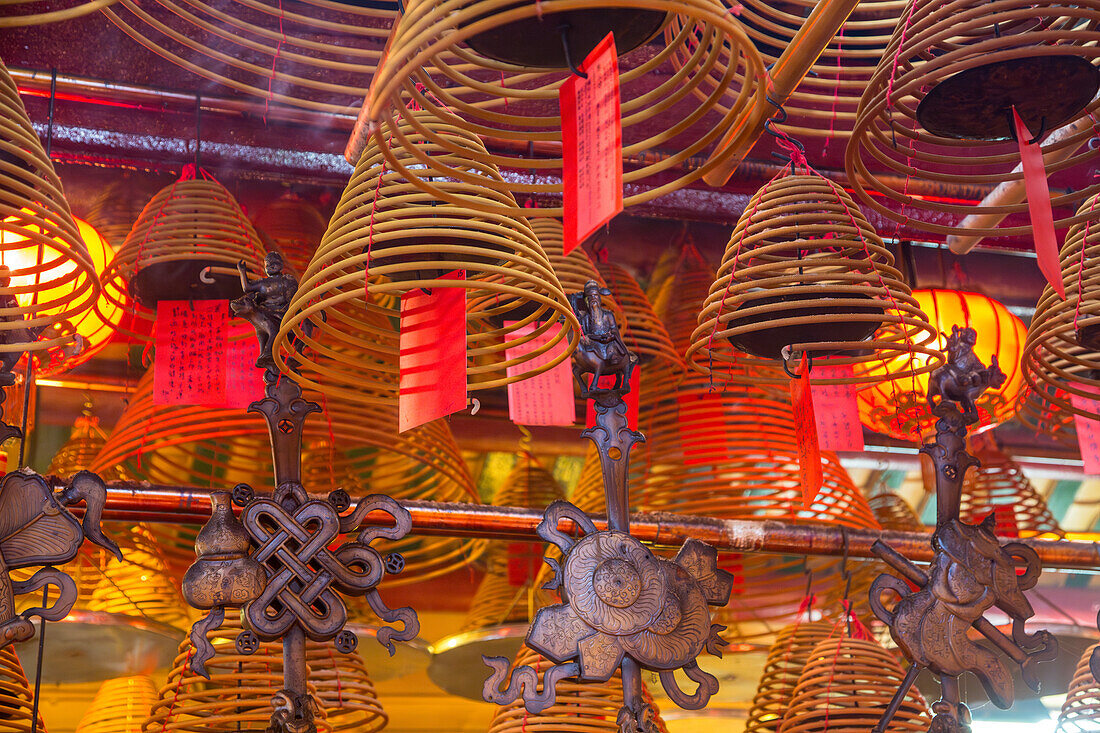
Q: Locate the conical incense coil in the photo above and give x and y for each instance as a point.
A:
(787, 656)
(824, 103)
(805, 271)
(642, 332)
(999, 484)
(84, 443)
(1061, 359)
(919, 121)
(190, 232)
(202, 446)
(579, 707)
(388, 238)
(344, 689)
(316, 56)
(429, 65)
(53, 278)
(139, 585)
(236, 697)
(1081, 710)
(894, 513)
(295, 226)
(846, 685)
(116, 207)
(121, 705)
(1036, 412)
(16, 696)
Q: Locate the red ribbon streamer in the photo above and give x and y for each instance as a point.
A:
(1038, 204)
(805, 425)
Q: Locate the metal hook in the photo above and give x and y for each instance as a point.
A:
(1012, 128)
(477, 405)
(564, 30)
(785, 355)
(205, 276)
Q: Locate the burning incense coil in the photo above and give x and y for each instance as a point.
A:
(16, 695)
(787, 656)
(1000, 483)
(121, 705)
(1081, 710)
(893, 513)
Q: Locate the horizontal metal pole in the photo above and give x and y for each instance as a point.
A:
(135, 501)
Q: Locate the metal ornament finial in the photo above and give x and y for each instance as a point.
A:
(623, 607)
(970, 572)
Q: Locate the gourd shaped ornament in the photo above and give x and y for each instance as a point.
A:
(970, 572)
(623, 606)
(277, 563)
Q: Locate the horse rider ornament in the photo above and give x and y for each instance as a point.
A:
(970, 571)
(280, 562)
(623, 607)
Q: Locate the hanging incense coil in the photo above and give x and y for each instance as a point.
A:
(387, 238)
(579, 707)
(40, 12)
(999, 483)
(787, 656)
(309, 54)
(53, 278)
(344, 689)
(1039, 414)
(16, 696)
(433, 64)
(295, 226)
(938, 108)
(804, 270)
(824, 103)
(589, 495)
(573, 269)
(121, 705)
(894, 513)
(642, 332)
(1062, 352)
(202, 446)
(116, 207)
(189, 231)
(1081, 710)
(84, 443)
(846, 684)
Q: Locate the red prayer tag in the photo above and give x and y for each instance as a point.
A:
(630, 398)
(524, 561)
(189, 366)
(703, 433)
(1088, 433)
(805, 426)
(1038, 205)
(836, 411)
(432, 361)
(244, 381)
(544, 399)
(592, 145)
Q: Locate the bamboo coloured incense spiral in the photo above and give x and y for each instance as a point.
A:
(48, 280)
(185, 245)
(805, 271)
(308, 54)
(938, 107)
(1081, 711)
(846, 685)
(495, 67)
(295, 226)
(16, 696)
(121, 705)
(386, 239)
(205, 446)
(893, 513)
(84, 443)
(1062, 352)
(999, 484)
(787, 656)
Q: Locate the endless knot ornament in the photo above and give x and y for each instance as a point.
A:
(970, 572)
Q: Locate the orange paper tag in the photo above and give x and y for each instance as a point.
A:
(630, 398)
(592, 145)
(1088, 433)
(805, 426)
(1038, 205)
(836, 412)
(432, 358)
(547, 398)
(189, 366)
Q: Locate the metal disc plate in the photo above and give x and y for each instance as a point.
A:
(976, 104)
(456, 665)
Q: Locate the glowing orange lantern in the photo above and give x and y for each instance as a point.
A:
(899, 408)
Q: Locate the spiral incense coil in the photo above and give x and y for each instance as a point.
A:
(190, 230)
(1062, 351)
(1081, 710)
(396, 239)
(824, 103)
(1036, 412)
(53, 278)
(237, 697)
(116, 207)
(846, 685)
(40, 12)
(805, 270)
(344, 689)
(642, 332)
(910, 129)
(431, 65)
(120, 706)
(787, 656)
(138, 585)
(202, 446)
(999, 482)
(588, 495)
(894, 513)
(295, 226)
(579, 707)
(308, 54)
(83, 445)
(16, 697)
